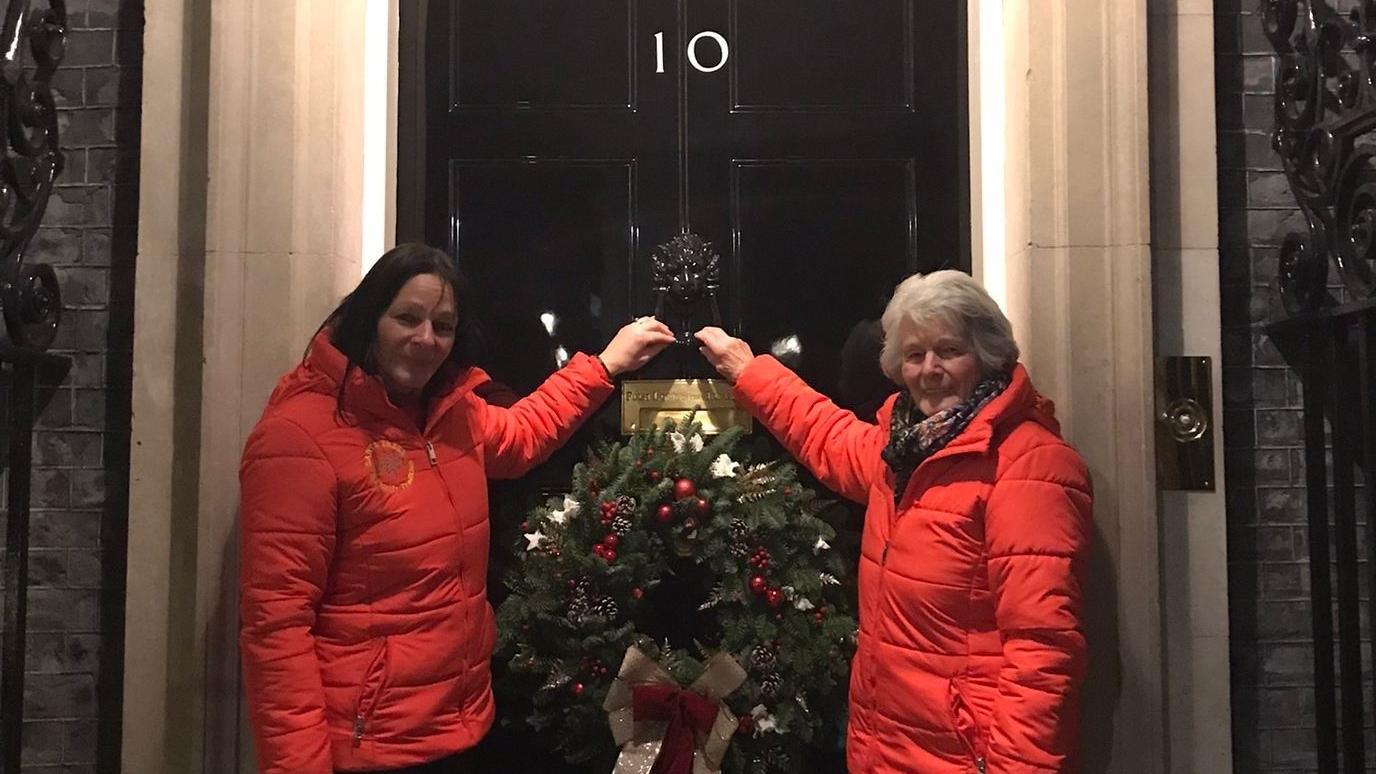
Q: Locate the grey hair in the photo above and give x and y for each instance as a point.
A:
(957, 301)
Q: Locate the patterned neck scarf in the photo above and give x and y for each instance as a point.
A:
(914, 437)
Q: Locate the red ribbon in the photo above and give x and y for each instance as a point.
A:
(687, 714)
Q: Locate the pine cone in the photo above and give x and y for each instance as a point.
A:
(625, 506)
(763, 657)
(621, 525)
(578, 610)
(739, 531)
(771, 685)
(606, 607)
(739, 550)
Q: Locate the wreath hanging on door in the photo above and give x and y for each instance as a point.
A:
(678, 604)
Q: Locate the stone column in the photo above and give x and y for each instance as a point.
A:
(250, 231)
(1075, 275)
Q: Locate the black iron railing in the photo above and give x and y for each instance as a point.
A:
(32, 44)
(1325, 111)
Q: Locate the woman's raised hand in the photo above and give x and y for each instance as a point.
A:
(635, 345)
(728, 354)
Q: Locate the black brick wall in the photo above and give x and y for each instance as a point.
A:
(1268, 573)
(74, 667)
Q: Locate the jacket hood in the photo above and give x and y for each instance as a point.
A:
(1019, 402)
(322, 369)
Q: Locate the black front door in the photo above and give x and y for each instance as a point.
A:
(552, 145)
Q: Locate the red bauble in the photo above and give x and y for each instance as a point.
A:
(637, 593)
(690, 524)
(704, 507)
(758, 584)
(684, 488)
(774, 597)
(612, 540)
(577, 689)
(665, 512)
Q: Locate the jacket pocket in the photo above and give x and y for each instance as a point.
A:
(965, 725)
(370, 690)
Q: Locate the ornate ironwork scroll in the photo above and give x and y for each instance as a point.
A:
(33, 42)
(1325, 106)
(685, 271)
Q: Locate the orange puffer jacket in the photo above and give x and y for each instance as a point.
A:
(366, 630)
(971, 648)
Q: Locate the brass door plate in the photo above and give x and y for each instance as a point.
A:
(646, 402)
(1184, 423)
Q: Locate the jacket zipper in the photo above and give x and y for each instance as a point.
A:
(979, 764)
(366, 698)
(430, 452)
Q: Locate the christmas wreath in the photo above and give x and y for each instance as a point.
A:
(671, 562)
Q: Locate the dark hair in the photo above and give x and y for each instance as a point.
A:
(353, 324)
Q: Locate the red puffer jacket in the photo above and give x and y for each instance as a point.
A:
(366, 631)
(971, 649)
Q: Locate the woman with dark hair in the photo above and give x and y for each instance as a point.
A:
(366, 631)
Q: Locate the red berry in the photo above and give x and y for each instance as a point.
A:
(598, 549)
(774, 597)
(745, 724)
(788, 491)
(656, 475)
(638, 464)
(525, 526)
(612, 540)
(684, 488)
(819, 616)
(758, 584)
(665, 512)
(649, 452)
(609, 555)
(577, 689)
(703, 507)
(637, 593)
(690, 524)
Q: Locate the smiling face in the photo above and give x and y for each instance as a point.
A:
(414, 336)
(939, 367)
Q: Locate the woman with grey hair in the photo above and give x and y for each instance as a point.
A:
(978, 520)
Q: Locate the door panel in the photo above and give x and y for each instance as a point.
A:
(820, 241)
(553, 55)
(820, 53)
(548, 241)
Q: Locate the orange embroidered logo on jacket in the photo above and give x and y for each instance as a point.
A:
(391, 469)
